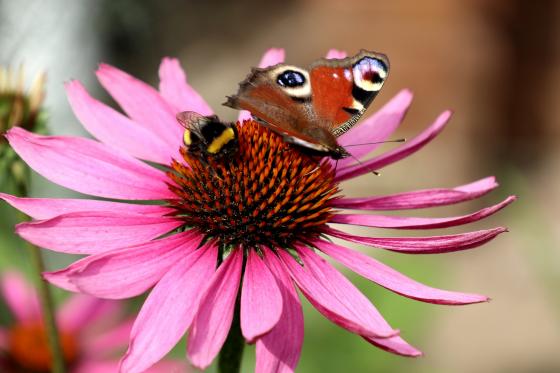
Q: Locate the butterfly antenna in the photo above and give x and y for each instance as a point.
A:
(371, 143)
(377, 142)
(363, 164)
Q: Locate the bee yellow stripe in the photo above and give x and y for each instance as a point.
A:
(187, 137)
(221, 140)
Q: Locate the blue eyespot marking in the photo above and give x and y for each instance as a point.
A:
(370, 69)
(290, 79)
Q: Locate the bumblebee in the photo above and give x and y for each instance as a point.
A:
(206, 136)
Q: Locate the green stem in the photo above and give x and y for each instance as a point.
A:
(229, 360)
(46, 299)
(47, 306)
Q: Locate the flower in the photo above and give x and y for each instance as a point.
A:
(18, 108)
(91, 331)
(257, 223)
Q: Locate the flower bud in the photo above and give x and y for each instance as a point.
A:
(18, 108)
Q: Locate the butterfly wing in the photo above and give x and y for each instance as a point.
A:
(310, 108)
(296, 138)
(333, 93)
(284, 110)
(260, 94)
(342, 89)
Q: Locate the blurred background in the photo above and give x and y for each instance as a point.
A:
(495, 62)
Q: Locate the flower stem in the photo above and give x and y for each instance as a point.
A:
(46, 299)
(47, 306)
(229, 360)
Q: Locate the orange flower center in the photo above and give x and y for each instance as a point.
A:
(269, 193)
(29, 349)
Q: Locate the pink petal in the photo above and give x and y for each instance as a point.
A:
(423, 245)
(106, 343)
(89, 167)
(261, 299)
(107, 314)
(80, 310)
(376, 128)
(334, 296)
(47, 208)
(271, 57)
(393, 280)
(115, 129)
(243, 116)
(109, 366)
(95, 232)
(405, 222)
(420, 198)
(96, 366)
(278, 351)
(20, 297)
(336, 54)
(395, 345)
(169, 310)
(170, 366)
(174, 88)
(61, 281)
(143, 104)
(127, 272)
(213, 319)
(397, 154)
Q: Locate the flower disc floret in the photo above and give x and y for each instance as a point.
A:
(269, 193)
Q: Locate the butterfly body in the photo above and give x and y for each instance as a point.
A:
(311, 108)
(207, 136)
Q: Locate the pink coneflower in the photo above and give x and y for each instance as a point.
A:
(256, 225)
(91, 332)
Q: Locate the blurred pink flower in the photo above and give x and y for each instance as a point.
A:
(92, 333)
(130, 250)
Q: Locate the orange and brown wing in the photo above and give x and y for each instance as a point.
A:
(312, 107)
(331, 89)
(342, 89)
(286, 110)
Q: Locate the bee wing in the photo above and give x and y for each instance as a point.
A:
(193, 123)
(191, 120)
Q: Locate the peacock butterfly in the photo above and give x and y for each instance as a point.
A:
(311, 108)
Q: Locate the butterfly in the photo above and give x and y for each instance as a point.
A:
(207, 136)
(312, 107)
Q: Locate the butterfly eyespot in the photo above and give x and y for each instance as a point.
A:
(290, 79)
(370, 74)
(373, 76)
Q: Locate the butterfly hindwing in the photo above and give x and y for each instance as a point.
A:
(344, 88)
